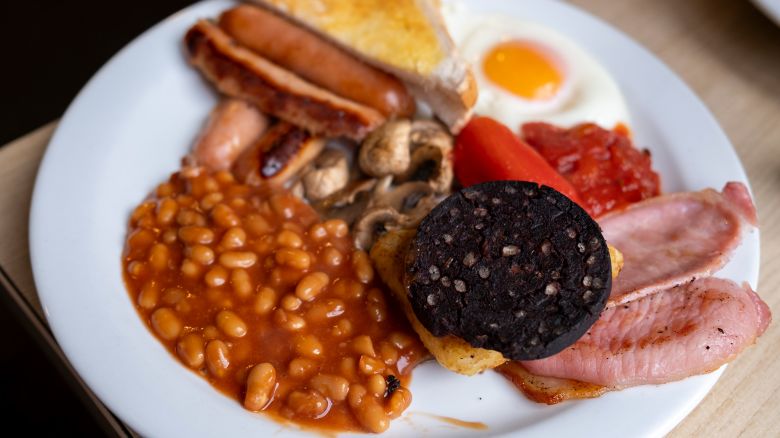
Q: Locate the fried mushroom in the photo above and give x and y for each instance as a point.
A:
(386, 150)
(329, 174)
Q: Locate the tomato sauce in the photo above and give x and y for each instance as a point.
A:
(603, 165)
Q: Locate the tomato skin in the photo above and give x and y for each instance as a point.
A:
(486, 150)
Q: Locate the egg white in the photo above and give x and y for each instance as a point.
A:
(588, 94)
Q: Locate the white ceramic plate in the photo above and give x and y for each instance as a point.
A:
(771, 8)
(128, 129)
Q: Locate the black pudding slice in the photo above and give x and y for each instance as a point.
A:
(509, 266)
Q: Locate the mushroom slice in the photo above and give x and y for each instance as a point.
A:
(329, 174)
(277, 156)
(431, 156)
(403, 206)
(375, 222)
(386, 149)
(348, 203)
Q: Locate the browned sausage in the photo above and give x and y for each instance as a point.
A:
(241, 73)
(316, 59)
(277, 155)
(234, 124)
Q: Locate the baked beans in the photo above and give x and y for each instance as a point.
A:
(272, 305)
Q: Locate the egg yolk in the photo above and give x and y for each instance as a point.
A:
(523, 69)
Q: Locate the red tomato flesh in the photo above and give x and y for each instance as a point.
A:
(486, 150)
(606, 169)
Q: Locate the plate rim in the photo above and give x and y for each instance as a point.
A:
(36, 233)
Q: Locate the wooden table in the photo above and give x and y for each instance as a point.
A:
(724, 49)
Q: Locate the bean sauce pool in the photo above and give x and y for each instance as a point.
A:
(271, 305)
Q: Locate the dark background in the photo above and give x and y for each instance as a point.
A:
(49, 50)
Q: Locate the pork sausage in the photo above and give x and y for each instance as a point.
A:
(316, 59)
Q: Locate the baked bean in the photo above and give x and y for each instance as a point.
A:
(264, 245)
(241, 282)
(202, 254)
(166, 211)
(363, 345)
(289, 321)
(291, 303)
(376, 385)
(173, 295)
(336, 227)
(165, 189)
(149, 295)
(301, 367)
(224, 177)
(294, 258)
(192, 235)
(238, 203)
(362, 266)
(265, 301)
(210, 332)
(141, 239)
(190, 268)
(348, 288)
(233, 238)
(348, 368)
(400, 340)
(217, 358)
(342, 329)
(367, 410)
(289, 239)
(376, 305)
(187, 217)
(321, 311)
(217, 276)
(284, 277)
(224, 216)
(169, 236)
(257, 225)
(231, 324)
(210, 185)
(311, 285)
(292, 226)
(398, 402)
(136, 269)
(332, 257)
(237, 259)
(308, 403)
(183, 307)
(334, 387)
(260, 386)
(308, 346)
(356, 395)
(211, 200)
(318, 232)
(282, 205)
(166, 323)
(185, 200)
(142, 211)
(369, 365)
(388, 353)
(191, 351)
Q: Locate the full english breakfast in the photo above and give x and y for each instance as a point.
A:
(353, 207)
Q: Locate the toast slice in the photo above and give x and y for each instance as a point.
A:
(407, 38)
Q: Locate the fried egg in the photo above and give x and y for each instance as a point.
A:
(528, 72)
